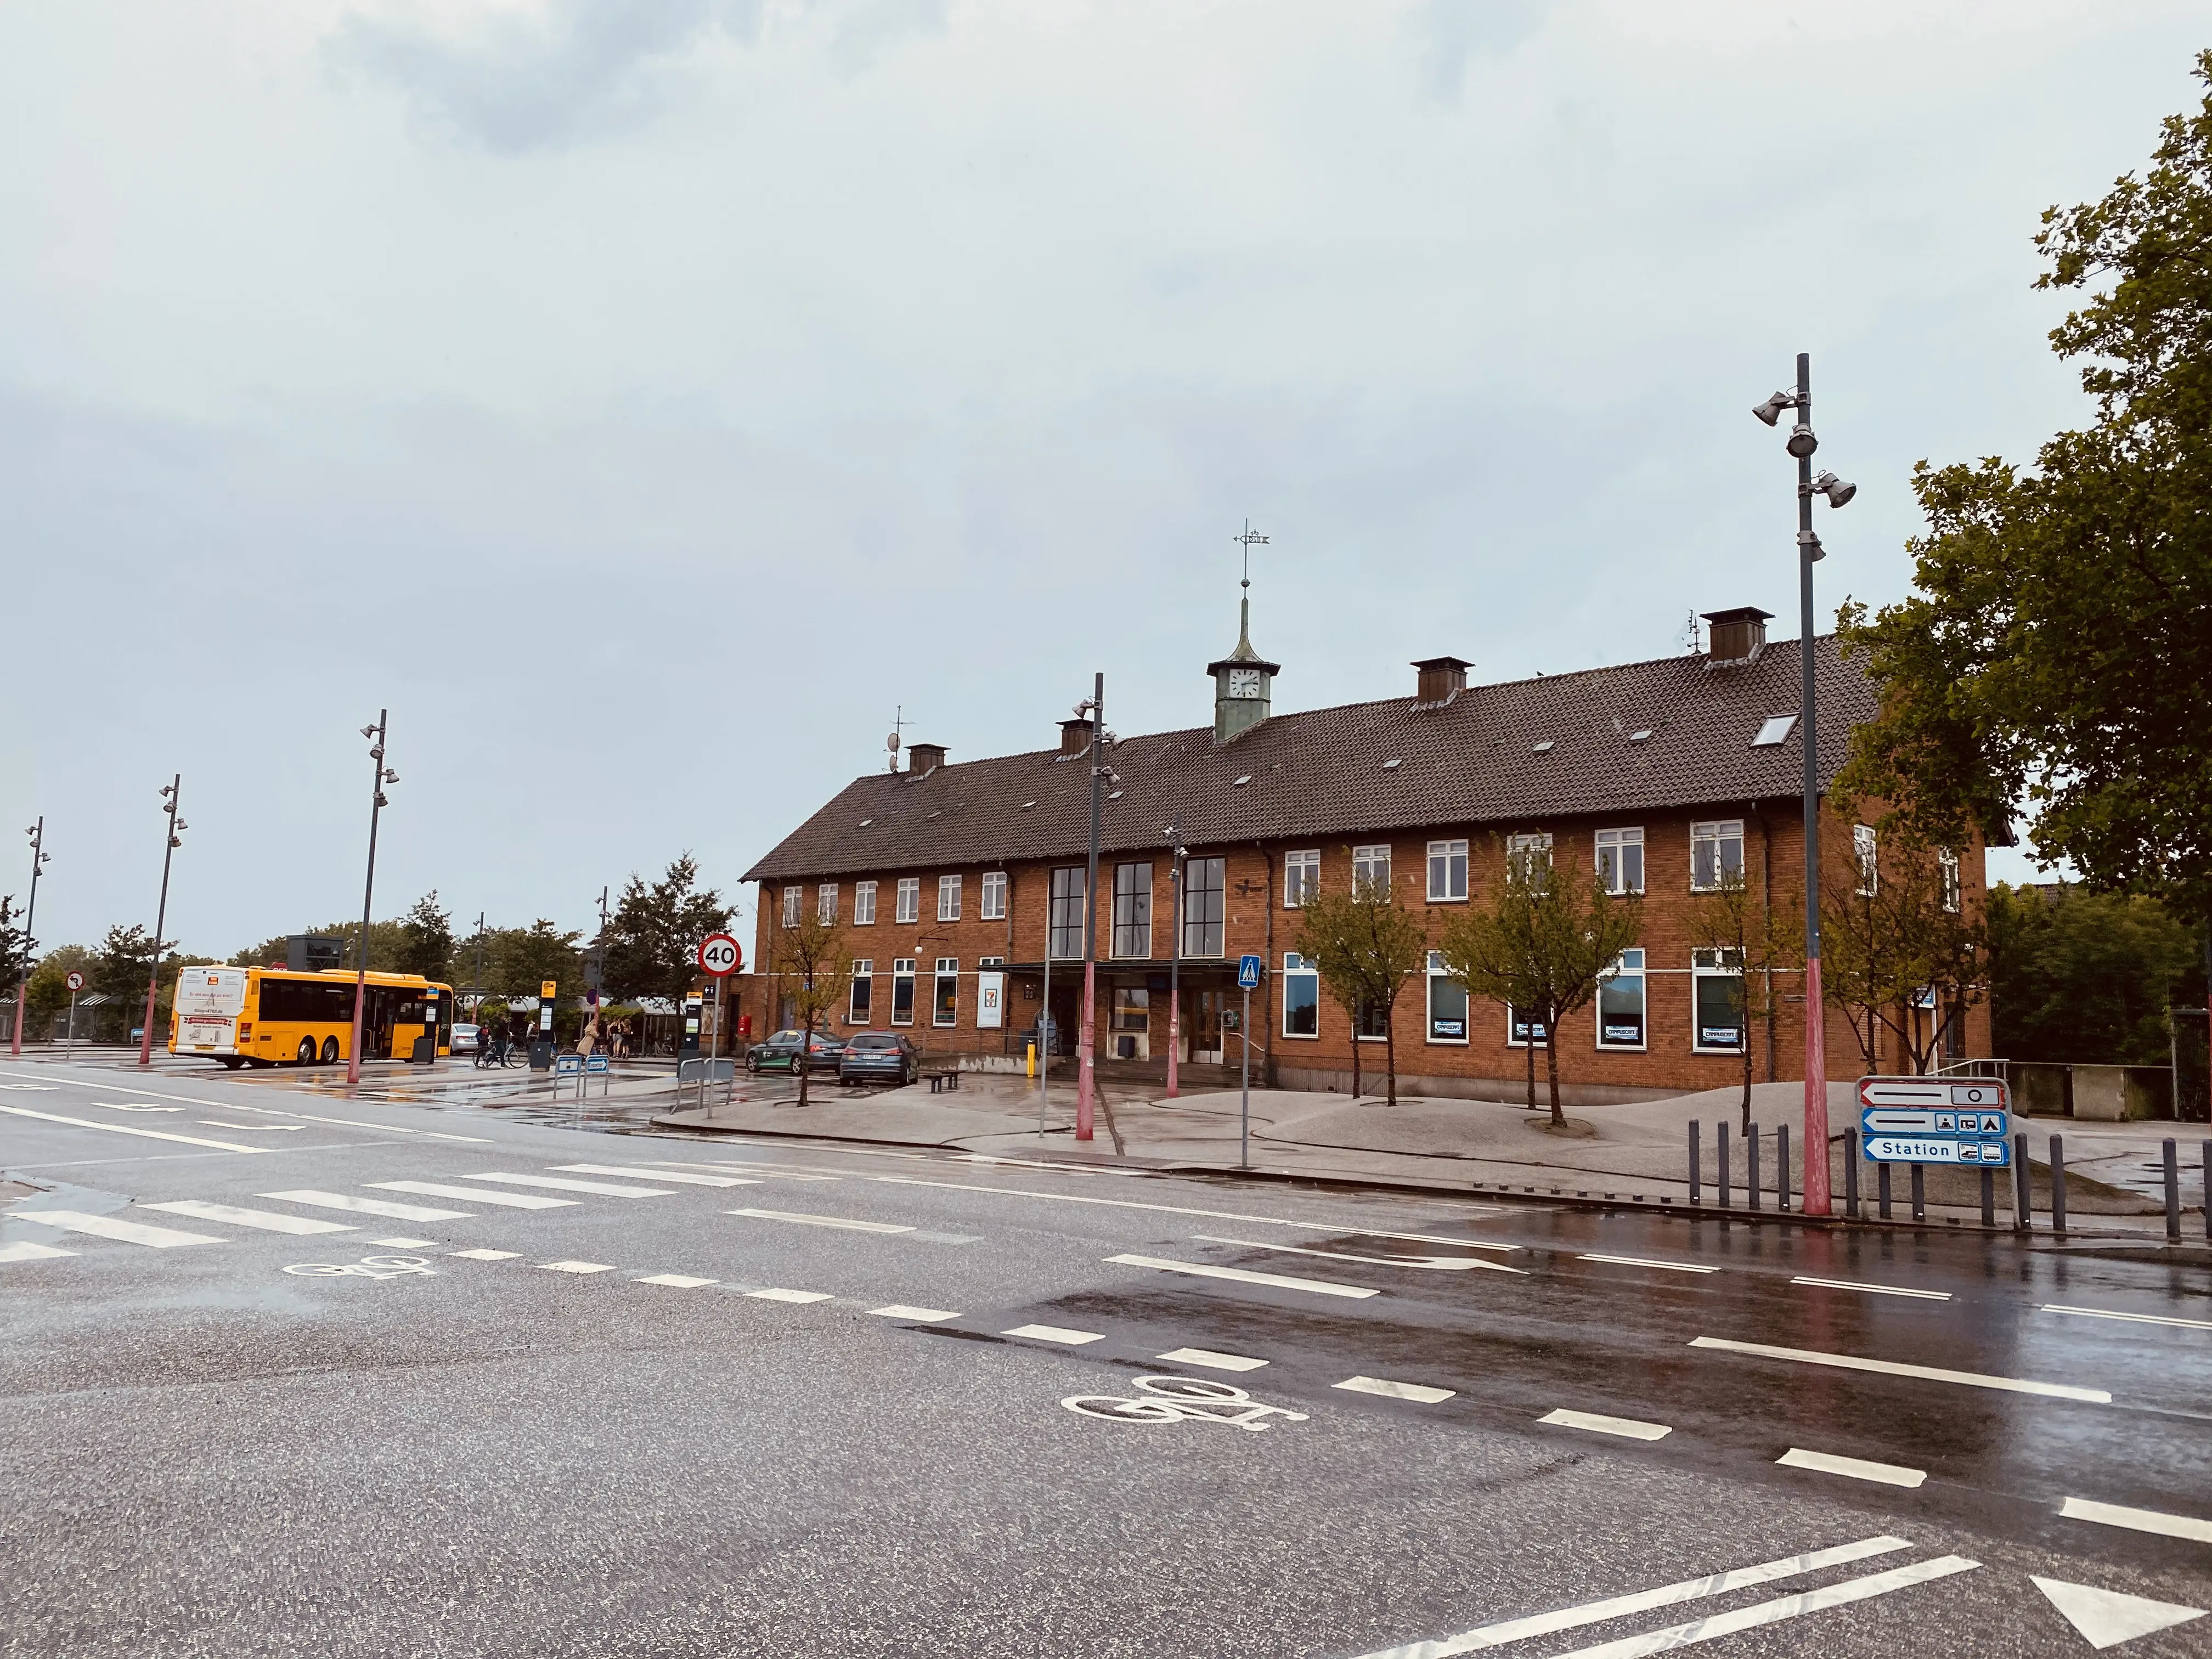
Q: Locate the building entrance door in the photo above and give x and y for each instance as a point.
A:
(1205, 1027)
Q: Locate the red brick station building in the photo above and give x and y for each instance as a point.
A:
(952, 883)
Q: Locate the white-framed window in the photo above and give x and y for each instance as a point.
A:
(1447, 1003)
(944, 1006)
(1622, 1010)
(1205, 903)
(909, 898)
(1370, 868)
(864, 989)
(948, 898)
(1620, 860)
(1447, 878)
(902, 991)
(1065, 921)
(1533, 853)
(1522, 1031)
(1133, 910)
(1947, 872)
(1864, 849)
(1716, 1022)
(990, 962)
(825, 903)
(793, 897)
(1715, 855)
(1301, 997)
(864, 904)
(994, 896)
(1300, 878)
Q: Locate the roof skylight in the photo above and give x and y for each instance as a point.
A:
(1027, 805)
(865, 823)
(1543, 748)
(1392, 765)
(1774, 730)
(1645, 736)
(1241, 783)
(1112, 794)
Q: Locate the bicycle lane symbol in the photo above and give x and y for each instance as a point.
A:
(369, 1266)
(1180, 1400)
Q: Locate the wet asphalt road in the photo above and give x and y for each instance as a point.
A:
(537, 1449)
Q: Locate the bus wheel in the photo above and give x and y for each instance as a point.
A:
(306, 1051)
(329, 1051)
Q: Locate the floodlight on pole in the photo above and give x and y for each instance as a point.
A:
(172, 793)
(380, 775)
(39, 859)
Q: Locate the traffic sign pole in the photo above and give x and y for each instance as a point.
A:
(1247, 975)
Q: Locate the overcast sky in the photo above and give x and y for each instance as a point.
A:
(644, 400)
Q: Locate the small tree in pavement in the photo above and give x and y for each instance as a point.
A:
(1365, 947)
(815, 972)
(1747, 933)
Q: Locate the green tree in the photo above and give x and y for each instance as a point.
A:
(1748, 933)
(49, 988)
(122, 964)
(654, 935)
(426, 939)
(1540, 942)
(18, 950)
(517, 959)
(813, 970)
(1893, 937)
(2057, 648)
(1365, 947)
(2082, 976)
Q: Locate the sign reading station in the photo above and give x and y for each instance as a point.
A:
(1917, 1120)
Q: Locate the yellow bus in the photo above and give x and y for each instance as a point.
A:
(277, 1017)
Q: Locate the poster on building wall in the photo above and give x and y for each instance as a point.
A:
(990, 1001)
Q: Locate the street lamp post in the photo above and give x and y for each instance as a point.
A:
(1086, 1041)
(380, 775)
(1802, 444)
(40, 857)
(173, 793)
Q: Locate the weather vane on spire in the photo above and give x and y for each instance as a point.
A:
(1248, 538)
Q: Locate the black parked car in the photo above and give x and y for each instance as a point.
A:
(879, 1057)
(781, 1053)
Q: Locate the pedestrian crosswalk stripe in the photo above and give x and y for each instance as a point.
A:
(486, 1255)
(575, 1267)
(773, 1294)
(822, 1221)
(27, 1250)
(2119, 1514)
(1888, 1474)
(636, 1172)
(406, 1244)
(926, 1315)
(269, 1221)
(558, 1184)
(1419, 1392)
(1055, 1333)
(1211, 1360)
(108, 1226)
(383, 1206)
(1598, 1422)
(469, 1195)
(1243, 1275)
(680, 1280)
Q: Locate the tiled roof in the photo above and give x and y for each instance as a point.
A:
(1470, 760)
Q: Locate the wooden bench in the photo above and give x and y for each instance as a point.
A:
(943, 1080)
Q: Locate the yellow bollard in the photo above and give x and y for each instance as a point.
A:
(1031, 1050)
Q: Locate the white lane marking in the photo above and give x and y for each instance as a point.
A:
(1598, 1422)
(385, 1207)
(2107, 1618)
(1872, 1289)
(926, 1315)
(1620, 1607)
(1424, 1239)
(407, 1243)
(1890, 1368)
(1644, 1261)
(267, 1220)
(1174, 1209)
(2132, 1318)
(1455, 1264)
(558, 1184)
(486, 1255)
(240, 1106)
(771, 1294)
(1055, 1333)
(470, 1194)
(1858, 1468)
(1211, 1360)
(108, 1226)
(758, 1173)
(257, 1128)
(131, 1106)
(1243, 1276)
(638, 1171)
(2119, 1514)
(681, 1281)
(473, 1141)
(32, 1088)
(1784, 1606)
(131, 1129)
(1417, 1392)
(821, 1221)
(575, 1267)
(25, 1249)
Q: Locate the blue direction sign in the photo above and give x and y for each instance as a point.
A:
(1248, 972)
(594, 1063)
(567, 1064)
(1918, 1120)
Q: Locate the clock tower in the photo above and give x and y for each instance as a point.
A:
(1243, 681)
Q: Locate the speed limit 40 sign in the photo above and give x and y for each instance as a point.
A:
(720, 954)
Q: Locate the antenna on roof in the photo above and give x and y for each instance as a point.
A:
(898, 724)
(1689, 635)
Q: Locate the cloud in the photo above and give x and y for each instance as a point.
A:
(518, 79)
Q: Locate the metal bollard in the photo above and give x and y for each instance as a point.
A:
(1695, 1189)
(2172, 1190)
(1751, 1166)
(1919, 1194)
(2204, 1187)
(2058, 1183)
(1721, 1147)
(1782, 1168)
(1881, 1189)
(1989, 1198)
(2023, 1187)
(1851, 1173)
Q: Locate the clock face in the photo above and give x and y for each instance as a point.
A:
(1244, 683)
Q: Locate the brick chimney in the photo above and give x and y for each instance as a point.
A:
(923, 758)
(1736, 636)
(1439, 677)
(1074, 736)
